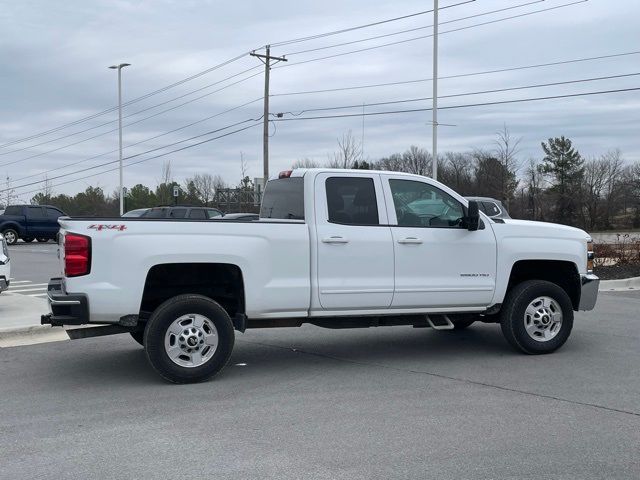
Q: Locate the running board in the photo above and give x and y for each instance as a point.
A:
(440, 322)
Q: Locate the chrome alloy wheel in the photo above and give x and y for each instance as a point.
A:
(10, 237)
(543, 319)
(191, 340)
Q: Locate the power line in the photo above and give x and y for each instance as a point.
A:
(139, 154)
(134, 100)
(359, 27)
(135, 113)
(141, 141)
(460, 75)
(398, 42)
(413, 29)
(480, 92)
(450, 107)
(128, 124)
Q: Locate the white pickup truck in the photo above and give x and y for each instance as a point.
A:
(334, 248)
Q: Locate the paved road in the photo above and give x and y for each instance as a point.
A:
(327, 404)
(32, 265)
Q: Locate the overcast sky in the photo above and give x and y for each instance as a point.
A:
(54, 58)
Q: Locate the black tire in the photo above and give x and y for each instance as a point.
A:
(12, 236)
(512, 316)
(138, 336)
(161, 320)
(27, 239)
(42, 240)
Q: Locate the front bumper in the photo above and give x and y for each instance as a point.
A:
(66, 309)
(589, 284)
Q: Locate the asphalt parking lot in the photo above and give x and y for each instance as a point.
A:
(391, 402)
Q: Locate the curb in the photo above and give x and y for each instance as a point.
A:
(622, 284)
(31, 335)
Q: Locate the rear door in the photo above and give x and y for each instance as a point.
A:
(37, 222)
(354, 244)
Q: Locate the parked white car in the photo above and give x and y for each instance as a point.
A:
(5, 265)
(334, 248)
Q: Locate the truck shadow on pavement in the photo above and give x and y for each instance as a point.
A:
(118, 361)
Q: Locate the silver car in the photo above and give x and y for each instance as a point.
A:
(491, 207)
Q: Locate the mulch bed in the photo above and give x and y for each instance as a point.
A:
(614, 272)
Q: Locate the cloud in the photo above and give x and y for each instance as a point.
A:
(54, 59)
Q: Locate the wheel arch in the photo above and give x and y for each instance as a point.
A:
(560, 272)
(222, 282)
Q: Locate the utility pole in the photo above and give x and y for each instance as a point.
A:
(266, 59)
(435, 91)
(119, 68)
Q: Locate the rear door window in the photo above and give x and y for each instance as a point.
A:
(352, 201)
(35, 212)
(197, 214)
(213, 213)
(178, 213)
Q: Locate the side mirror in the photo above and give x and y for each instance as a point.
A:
(472, 220)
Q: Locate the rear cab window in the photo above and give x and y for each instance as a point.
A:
(284, 199)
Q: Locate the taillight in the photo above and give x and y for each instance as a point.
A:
(77, 255)
(590, 256)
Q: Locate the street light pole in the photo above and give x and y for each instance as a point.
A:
(120, 190)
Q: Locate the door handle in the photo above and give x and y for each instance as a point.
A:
(335, 239)
(410, 241)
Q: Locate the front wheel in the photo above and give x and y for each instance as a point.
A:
(537, 317)
(188, 339)
(11, 236)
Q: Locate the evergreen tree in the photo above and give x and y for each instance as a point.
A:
(566, 168)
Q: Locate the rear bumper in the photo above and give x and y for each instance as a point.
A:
(589, 284)
(66, 309)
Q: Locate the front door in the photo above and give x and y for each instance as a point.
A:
(438, 262)
(354, 244)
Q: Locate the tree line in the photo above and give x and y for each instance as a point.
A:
(559, 185)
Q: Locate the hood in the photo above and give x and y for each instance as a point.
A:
(546, 229)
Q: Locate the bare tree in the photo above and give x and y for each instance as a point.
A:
(204, 185)
(349, 151)
(305, 163)
(534, 184)
(166, 176)
(506, 151)
(414, 160)
(9, 195)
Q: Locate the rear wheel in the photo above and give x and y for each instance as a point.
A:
(11, 236)
(189, 339)
(537, 317)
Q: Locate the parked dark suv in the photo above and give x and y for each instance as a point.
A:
(30, 222)
(179, 211)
